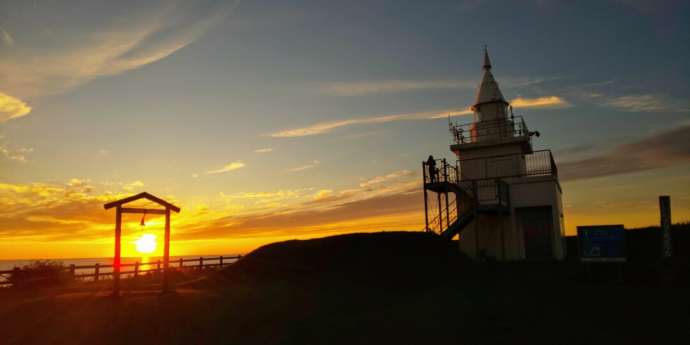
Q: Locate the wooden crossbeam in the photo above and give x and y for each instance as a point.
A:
(142, 210)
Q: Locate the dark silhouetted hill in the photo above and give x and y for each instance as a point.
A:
(372, 258)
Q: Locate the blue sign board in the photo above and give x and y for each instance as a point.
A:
(601, 242)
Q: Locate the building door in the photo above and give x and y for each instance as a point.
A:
(537, 229)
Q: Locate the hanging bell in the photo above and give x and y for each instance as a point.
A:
(143, 219)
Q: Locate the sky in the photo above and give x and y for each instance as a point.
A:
(273, 120)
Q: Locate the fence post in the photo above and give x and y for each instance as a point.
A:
(15, 274)
(136, 269)
(158, 266)
(97, 272)
(221, 261)
(72, 270)
(181, 263)
(201, 263)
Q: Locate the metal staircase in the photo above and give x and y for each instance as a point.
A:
(458, 200)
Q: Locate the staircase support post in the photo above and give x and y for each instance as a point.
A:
(503, 239)
(426, 208)
(447, 212)
(440, 213)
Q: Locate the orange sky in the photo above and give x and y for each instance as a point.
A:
(268, 122)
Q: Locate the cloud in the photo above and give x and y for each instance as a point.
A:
(322, 193)
(12, 108)
(6, 38)
(369, 214)
(311, 165)
(540, 102)
(379, 180)
(19, 155)
(364, 88)
(328, 126)
(664, 149)
(227, 167)
(325, 127)
(264, 150)
(54, 211)
(80, 51)
(647, 103)
(74, 210)
(132, 186)
(390, 86)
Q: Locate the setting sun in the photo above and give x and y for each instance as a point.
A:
(146, 243)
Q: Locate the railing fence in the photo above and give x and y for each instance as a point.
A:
(98, 271)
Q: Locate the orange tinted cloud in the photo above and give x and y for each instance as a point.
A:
(12, 107)
(539, 102)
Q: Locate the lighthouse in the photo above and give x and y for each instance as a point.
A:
(499, 196)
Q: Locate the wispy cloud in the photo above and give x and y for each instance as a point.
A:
(647, 103)
(364, 88)
(325, 127)
(380, 180)
(328, 126)
(6, 38)
(311, 165)
(12, 108)
(264, 150)
(390, 86)
(132, 186)
(664, 149)
(540, 102)
(227, 167)
(118, 44)
(19, 154)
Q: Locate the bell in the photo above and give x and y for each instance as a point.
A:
(143, 218)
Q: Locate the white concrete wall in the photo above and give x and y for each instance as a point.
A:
(485, 230)
(541, 191)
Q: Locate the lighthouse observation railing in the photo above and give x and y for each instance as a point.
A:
(537, 163)
(486, 130)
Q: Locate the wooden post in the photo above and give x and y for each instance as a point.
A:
(221, 261)
(136, 269)
(158, 266)
(166, 251)
(201, 263)
(665, 215)
(97, 272)
(181, 263)
(72, 270)
(116, 260)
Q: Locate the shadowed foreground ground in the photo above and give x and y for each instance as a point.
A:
(399, 288)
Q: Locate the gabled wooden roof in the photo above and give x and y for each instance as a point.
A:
(142, 195)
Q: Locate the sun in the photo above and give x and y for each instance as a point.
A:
(146, 243)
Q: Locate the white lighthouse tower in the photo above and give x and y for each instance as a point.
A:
(501, 197)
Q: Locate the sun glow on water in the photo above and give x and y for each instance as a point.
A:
(146, 243)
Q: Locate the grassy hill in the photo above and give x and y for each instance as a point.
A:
(385, 288)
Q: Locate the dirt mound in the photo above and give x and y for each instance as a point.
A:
(385, 257)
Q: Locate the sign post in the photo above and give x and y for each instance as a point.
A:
(665, 213)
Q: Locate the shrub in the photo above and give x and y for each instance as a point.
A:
(41, 273)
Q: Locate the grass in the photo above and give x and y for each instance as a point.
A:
(389, 288)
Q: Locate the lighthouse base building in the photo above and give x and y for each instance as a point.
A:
(500, 198)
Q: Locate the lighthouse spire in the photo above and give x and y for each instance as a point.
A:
(488, 91)
(487, 61)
